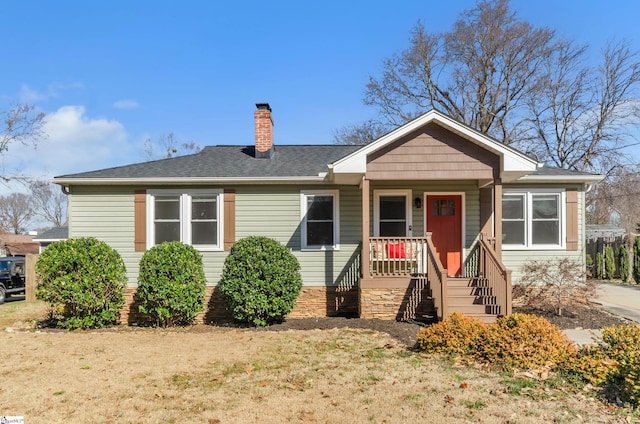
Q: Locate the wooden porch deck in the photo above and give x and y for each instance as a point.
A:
(411, 267)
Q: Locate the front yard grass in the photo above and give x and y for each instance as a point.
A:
(206, 374)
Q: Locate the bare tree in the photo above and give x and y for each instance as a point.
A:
(617, 200)
(167, 146)
(360, 134)
(49, 202)
(15, 212)
(22, 124)
(522, 85)
(480, 73)
(581, 117)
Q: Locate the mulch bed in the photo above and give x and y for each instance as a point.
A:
(588, 316)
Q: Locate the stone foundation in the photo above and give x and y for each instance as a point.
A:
(312, 302)
(382, 303)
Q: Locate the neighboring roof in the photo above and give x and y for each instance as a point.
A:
(15, 238)
(224, 163)
(53, 234)
(20, 249)
(18, 244)
(606, 231)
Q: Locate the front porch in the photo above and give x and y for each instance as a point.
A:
(404, 279)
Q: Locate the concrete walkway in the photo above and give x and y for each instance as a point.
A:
(618, 299)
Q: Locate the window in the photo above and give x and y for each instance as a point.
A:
(391, 213)
(319, 220)
(533, 219)
(193, 217)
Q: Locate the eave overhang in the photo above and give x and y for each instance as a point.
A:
(67, 182)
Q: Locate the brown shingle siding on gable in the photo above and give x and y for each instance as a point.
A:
(433, 153)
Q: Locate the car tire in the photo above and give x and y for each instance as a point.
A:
(3, 294)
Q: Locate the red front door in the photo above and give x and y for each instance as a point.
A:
(444, 221)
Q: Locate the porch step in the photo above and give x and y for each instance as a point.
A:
(463, 300)
(459, 282)
(469, 309)
(486, 318)
(468, 291)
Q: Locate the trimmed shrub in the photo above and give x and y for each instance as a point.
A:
(599, 266)
(636, 260)
(83, 280)
(623, 263)
(171, 284)
(614, 363)
(260, 280)
(524, 341)
(459, 334)
(519, 341)
(609, 263)
(594, 365)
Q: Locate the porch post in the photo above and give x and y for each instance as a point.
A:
(497, 208)
(364, 260)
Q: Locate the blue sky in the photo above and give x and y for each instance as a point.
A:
(112, 73)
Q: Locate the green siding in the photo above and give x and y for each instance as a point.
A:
(275, 212)
(107, 213)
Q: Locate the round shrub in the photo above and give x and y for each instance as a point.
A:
(524, 341)
(459, 334)
(171, 284)
(260, 280)
(83, 280)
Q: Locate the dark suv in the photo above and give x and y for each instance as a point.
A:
(11, 276)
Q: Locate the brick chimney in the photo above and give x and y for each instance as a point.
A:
(264, 131)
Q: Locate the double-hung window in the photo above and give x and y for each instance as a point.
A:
(533, 219)
(192, 217)
(320, 221)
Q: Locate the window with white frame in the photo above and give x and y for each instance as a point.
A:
(320, 219)
(192, 217)
(533, 219)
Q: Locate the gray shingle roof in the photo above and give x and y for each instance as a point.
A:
(232, 162)
(557, 172)
(55, 233)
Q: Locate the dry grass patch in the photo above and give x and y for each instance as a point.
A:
(208, 374)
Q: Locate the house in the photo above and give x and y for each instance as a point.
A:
(431, 218)
(17, 245)
(51, 236)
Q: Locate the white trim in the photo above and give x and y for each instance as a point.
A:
(463, 218)
(588, 178)
(188, 180)
(304, 194)
(408, 193)
(184, 198)
(528, 221)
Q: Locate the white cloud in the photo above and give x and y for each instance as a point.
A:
(75, 143)
(31, 95)
(126, 104)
